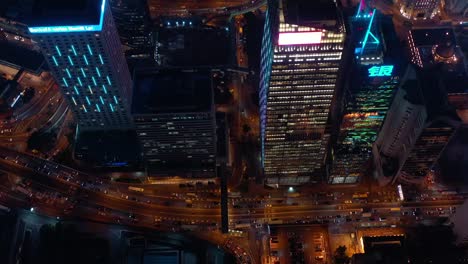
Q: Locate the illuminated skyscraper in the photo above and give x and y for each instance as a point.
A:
(369, 95)
(416, 130)
(132, 21)
(427, 149)
(366, 109)
(419, 9)
(404, 122)
(80, 43)
(300, 62)
(365, 35)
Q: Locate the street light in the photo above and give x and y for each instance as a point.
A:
(31, 209)
(291, 189)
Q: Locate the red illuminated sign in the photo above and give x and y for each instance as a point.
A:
(299, 38)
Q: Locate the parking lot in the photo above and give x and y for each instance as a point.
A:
(299, 244)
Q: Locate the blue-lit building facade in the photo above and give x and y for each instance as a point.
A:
(365, 35)
(84, 53)
(300, 67)
(269, 36)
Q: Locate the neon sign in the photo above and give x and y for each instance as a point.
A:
(299, 38)
(381, 71)
(62, 29)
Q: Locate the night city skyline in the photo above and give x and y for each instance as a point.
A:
(234, 131)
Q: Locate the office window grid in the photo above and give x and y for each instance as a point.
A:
(79, 64)
(90, 69)
(301, 86)
(187, 138)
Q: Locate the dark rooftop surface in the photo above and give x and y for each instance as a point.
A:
(454, 160)
(434, 92)
(432, 36)
(298, 11)
(413, 92)
(157, 92)
(426, 87)
(20, 56)
(384, 249)
(198, 46)
(65, 13)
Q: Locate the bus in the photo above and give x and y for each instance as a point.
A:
(366, 214)
(136, 189)
(234, 194)
(360, 195)
(275, 222)
(242, 225)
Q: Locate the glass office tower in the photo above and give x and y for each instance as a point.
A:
(81, 45)
(300, 64)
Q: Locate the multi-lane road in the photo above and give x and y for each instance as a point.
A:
(58, 191)
(199, 204)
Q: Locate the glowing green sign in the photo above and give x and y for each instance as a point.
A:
(380, 71)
